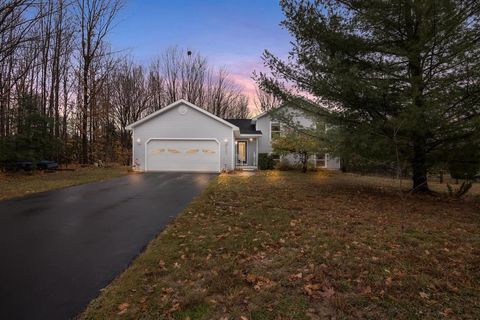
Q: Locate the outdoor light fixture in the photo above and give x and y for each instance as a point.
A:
(138, 140)
(236, 142)
(251, 139)
(225, 140)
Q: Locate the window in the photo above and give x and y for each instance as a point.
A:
(319, 160)
(275, 157)
(274, 130)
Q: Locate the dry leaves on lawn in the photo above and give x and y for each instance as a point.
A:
(259, 282)
(123, 307)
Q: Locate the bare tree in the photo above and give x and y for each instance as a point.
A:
(265, 101)
(95, 18)
(130, 96)
(178, 73)
(55, 62)
(223, 97)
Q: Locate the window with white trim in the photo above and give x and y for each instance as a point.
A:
(274, 130)
(275, 156)
(320, 160)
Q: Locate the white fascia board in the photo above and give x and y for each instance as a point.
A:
(249, 135)
(176, 103)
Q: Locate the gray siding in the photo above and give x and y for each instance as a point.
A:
(301, 120)
(193, 124)
(264, 143)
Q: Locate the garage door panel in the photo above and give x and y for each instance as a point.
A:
(183, 155)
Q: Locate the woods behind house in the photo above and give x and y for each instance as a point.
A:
(66, 95)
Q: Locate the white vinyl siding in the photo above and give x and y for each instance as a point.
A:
(175, 125)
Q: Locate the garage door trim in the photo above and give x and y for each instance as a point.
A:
(182, 139)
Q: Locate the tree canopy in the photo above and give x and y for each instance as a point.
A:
(402, 74)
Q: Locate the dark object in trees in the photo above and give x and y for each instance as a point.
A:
(47, 165)
(464, 161)
(32, 142)
(466, 170)
(33, 165)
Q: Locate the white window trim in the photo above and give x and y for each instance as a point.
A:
(274, 122)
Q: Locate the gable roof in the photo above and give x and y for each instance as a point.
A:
(264, 113)
(173, 105)
(246, 126)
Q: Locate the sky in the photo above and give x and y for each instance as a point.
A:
(231, 34)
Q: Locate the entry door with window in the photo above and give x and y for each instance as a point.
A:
(242, 152)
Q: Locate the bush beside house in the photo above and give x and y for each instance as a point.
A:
(266, 161)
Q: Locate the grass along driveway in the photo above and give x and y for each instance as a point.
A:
(292, 246)
(20, 184)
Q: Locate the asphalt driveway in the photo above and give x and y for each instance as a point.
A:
(59, 248)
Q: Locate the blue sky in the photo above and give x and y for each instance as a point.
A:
(229, 33)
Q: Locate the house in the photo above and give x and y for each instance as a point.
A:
(184, 137)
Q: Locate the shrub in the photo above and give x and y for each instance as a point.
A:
(464, 169)
(464, 162)
(266, 161)
(284, 165)
(460, 192)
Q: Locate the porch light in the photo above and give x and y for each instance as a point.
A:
(138, 140)
(225, 140)
(251, 139)
(236, 142)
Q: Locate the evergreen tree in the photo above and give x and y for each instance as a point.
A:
(402, 73)
(33, 139)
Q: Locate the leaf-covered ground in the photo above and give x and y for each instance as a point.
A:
(283, 245)
(20, 184)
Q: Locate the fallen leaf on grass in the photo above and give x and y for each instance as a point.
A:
(175, 307)
(388, 281)
(310, 288)
(424, 295)
(123, 307)
(446, 312)
(294, 277)
(161, 264)
(367, 290)
(259, 282)
(318, 290)
(327, 292)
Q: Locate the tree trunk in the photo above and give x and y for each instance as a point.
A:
(419, 168)
(304, 162)
(85, 110)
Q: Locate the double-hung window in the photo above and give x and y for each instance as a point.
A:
(274, 130)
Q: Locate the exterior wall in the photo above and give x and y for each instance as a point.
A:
(264, 142)
(300, 119)
(192, 124)
(263, 124)
(251, 151)
(331, 162)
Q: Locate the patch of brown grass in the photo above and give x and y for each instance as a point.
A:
(20, 184)
(285, 245)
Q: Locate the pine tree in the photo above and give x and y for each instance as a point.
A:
(405, 72)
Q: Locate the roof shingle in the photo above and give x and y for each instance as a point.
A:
(246, 126)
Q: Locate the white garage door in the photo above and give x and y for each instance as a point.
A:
(183, 155)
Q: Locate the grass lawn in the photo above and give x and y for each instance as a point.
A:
(284, 245)
(20, 184)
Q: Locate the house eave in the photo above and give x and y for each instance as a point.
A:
(249, 135)
(174, 104)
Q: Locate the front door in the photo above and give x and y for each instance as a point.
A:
(242, 152)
